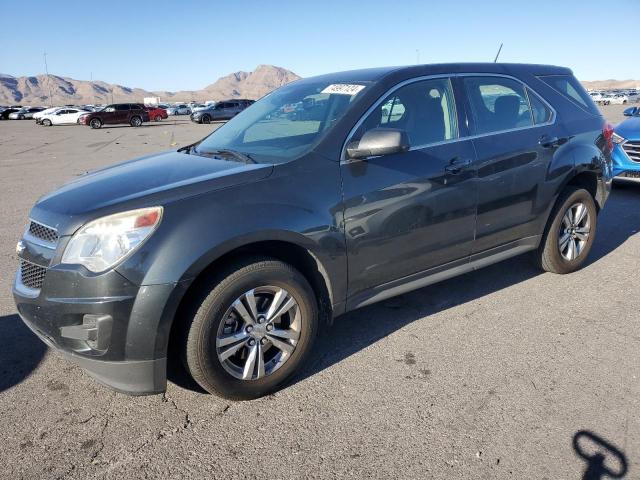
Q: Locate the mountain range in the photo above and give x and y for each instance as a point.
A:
(35, 90)
(265, 78)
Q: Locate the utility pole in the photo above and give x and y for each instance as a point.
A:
(46, 71)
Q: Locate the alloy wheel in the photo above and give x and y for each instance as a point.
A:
(259, 332)
(574, 231)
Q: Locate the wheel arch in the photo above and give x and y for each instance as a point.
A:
(287, 250)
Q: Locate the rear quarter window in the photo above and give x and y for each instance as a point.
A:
(569, 87)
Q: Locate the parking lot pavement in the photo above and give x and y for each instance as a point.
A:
(495, 374)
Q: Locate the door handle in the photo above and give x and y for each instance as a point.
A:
(456, 165)
(547, 141)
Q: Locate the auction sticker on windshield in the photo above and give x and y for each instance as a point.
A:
(343, 89)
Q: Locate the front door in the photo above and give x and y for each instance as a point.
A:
(407, 212)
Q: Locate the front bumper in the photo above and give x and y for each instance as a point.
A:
(115, 330)
(622, 162)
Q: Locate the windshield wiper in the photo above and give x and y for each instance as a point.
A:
(245, 157)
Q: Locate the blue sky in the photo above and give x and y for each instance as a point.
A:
(174, 45)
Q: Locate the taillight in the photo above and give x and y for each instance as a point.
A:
(607, 133)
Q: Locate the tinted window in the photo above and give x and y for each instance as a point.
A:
(497, 104)
(425, 110)
(123, 106)
(541, 112)
(570, 88)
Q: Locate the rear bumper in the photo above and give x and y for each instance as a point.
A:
(120, 339)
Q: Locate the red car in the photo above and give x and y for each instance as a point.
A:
(156, 113)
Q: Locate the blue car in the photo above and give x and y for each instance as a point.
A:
(626, 151)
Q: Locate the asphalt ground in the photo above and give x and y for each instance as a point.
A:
(501, 373)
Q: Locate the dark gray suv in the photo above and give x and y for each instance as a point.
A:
(223, 110)
(328, 194)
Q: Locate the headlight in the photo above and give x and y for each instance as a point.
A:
(617, 139)
(102, 243)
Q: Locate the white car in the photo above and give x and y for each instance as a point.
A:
(181, 109)
(38, 115)
(618, 99)
(62, 116)
(599, 98)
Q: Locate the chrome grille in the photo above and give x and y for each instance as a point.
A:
(632, 149)
(32, 275)
(43, 232)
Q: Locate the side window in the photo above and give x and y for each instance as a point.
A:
(122, 106)
(497, 104)
(541, 113)
(424, 109)
(570, 88)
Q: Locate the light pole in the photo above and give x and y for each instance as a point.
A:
(46, 71)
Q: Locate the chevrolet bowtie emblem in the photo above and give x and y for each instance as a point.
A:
(20, 247)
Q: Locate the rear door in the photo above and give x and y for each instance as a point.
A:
(408, 212)
(514, 136)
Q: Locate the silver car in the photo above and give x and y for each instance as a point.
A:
(25, 113)
(181, 109)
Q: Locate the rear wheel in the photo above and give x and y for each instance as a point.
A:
(20, 117)
(135, 121)
(95, 123)
(252, 331)
(158, 118)
(46, 122)
(570, 233)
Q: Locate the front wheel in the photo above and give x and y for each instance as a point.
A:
(252, 331)
(46, 122)
(95, 123)
(570, 233)
(158, 118)
(135, 121)
(206, 119)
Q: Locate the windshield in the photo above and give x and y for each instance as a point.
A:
(284, 124)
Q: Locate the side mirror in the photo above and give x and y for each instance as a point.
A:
(631, 111)
(379, 141)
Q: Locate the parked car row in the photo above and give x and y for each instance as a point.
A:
(615, 98)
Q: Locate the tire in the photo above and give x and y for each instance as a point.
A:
(158, 118)
(551, 255)
(20, 117)
(135, 121)
(188, 112)
(213, 318)
(46, 122)
(95, 123)
(206, 119)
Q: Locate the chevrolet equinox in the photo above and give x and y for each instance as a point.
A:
(236, 249)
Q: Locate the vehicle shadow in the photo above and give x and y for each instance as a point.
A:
(603, 459)
(20, 351)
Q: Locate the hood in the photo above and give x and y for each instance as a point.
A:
(629, 129)
(151, 180)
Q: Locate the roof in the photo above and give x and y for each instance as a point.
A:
(375, 74)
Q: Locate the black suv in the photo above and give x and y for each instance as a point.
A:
(233, 251)
(129, 113)
(223, 110)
